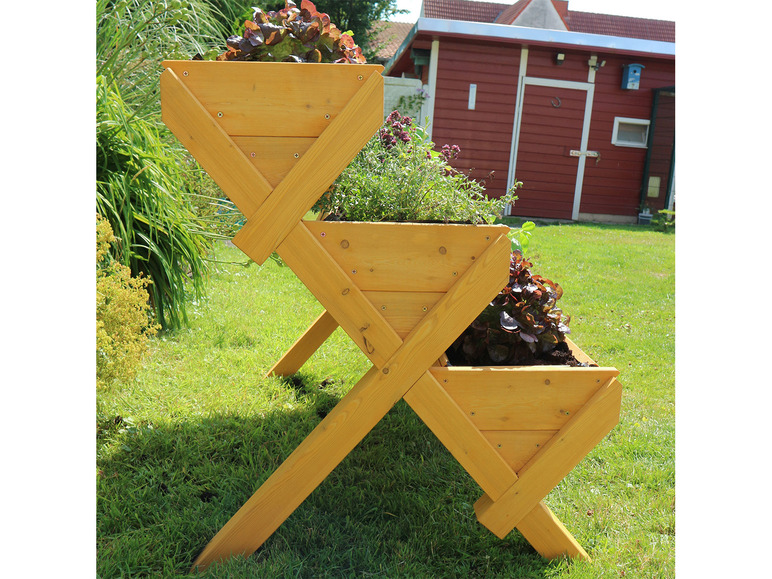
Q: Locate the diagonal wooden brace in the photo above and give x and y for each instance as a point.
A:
(305, 346)
(553, 462)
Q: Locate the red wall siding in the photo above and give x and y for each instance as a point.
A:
(484, 134)
(613, 185)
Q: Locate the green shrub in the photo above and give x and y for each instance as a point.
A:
(141, 192)
(123, 316)
(141, 185)
(398, 176)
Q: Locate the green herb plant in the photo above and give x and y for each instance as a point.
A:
(398, 176)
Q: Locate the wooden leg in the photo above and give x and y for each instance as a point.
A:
(305, 346)
(541, 528)
(553, 462)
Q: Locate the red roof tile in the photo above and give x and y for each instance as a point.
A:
(586, 22)
(509, 14)
(390, 36)
(463, 10)
(626, 26)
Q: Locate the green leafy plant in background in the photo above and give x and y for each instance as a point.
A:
(142, 188)
(123, 320)
(521, 324)
(398, 176)
(292, 35)
(664, 220)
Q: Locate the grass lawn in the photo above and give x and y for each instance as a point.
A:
(185, 444)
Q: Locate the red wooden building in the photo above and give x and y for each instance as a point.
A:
(580, 107)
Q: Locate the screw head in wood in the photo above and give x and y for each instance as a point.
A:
(344, 244)
(327, 116)
(383, 307)
(443, 251)
(323, 234)
(353, 271)
(219, 114)
(184, 73)
(547, 382)
(297, 155)
(360, 77)
(345, 291)
(252, 154)
(385, 370)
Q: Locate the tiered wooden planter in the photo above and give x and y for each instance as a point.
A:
(274, 136)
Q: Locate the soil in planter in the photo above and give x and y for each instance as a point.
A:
(560, 356)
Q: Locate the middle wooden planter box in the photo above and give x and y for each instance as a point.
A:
(404, 269)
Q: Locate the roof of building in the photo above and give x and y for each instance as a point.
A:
(587, 22)
(392, 34)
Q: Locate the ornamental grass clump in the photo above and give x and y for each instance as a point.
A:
(398, 176)
(521, 326)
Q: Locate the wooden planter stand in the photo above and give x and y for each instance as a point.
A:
(403, 293)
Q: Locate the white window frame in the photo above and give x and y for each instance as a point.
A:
(628, 121)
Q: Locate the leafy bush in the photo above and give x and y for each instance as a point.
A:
(521, 324)
(398, 176)
(141, 192)
(664, 220)
(292, 35)
(123, 316)
(141, 187)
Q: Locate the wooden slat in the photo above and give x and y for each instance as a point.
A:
(211, 146)
(544, 531)
(403, 310)
(272, 98)
(334, 289)
(404, 256)
(517, 447)
(305, 346)
(457, 433)
(550, 465)
(274, 157)
(522, 398)
(314, 172)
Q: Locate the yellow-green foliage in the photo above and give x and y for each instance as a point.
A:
(123, 323)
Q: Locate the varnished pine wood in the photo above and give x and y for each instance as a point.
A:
(211, 146)
(337, 293)
(517, 447)
(522, 398)
(314, 172)
(274, 157)
(305, 346)
(550, 465)
(404, 256)
(359, 411)
(468, 445)
(273, 99)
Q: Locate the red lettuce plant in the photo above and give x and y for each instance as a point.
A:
(292, 35)
(520, 325)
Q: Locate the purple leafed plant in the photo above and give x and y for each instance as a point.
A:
(292, 35)
(520, 325)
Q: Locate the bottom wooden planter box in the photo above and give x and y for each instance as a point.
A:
(518, 431)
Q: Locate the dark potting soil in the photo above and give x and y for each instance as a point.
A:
(560, 356)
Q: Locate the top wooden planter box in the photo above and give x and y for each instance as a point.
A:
(275, 136)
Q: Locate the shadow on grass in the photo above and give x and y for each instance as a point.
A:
(398, 505)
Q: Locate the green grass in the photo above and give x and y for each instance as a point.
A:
(185, 444)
